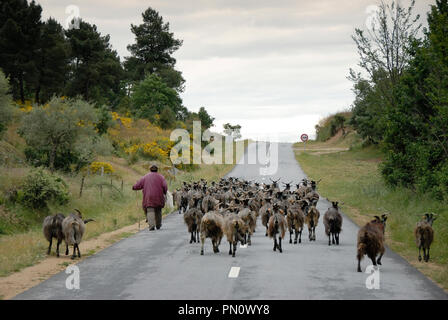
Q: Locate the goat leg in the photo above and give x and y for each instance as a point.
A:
(66, 249)
(290, 235)
(74, 252)
(333, 236)
(275, 242)
(202, 244)
(359, 257)
(378, 261)
(337, 238)
(419, 253)
(230, 247)
(329, 239)
(57, 248)
(249, 242)
(234, 248)
(49, 247)
(280, 243)
(191, 238)
(79, 253)
(300, 235)
(295, 236)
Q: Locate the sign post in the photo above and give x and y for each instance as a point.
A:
(304, 138)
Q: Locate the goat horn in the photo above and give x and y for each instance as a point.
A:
(78, 211)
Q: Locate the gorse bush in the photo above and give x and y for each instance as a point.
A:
(40, 188)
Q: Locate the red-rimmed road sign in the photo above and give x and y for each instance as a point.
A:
(304, 137)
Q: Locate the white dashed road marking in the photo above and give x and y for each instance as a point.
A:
(234, 272)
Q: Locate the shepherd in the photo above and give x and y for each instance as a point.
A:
(154, 189)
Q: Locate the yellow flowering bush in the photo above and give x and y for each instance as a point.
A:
(126, 121)
(95, 167)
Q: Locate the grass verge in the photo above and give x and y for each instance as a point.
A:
(353, 177)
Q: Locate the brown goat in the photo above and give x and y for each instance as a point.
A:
(312, 219)
(192, 219)
(333, 224)
(52, 228)
(235, 229)
(424, 235)
(265, 213)
(277, 225)
(249, 219)
(295, 219)
(212, 226)
(371, 240)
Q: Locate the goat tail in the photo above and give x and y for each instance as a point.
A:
(75, 232)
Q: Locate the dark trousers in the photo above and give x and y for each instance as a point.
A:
(154, 216)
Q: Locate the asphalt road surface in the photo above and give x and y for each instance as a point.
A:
(163, 265)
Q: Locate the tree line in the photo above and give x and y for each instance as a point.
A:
(401, 95)
(41, 59)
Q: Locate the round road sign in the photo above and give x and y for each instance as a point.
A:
(304, 137)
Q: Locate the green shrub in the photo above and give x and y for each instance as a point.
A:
(40, 187)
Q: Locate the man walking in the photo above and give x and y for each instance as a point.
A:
(154, 189)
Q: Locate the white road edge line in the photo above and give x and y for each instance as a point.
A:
(234, 272)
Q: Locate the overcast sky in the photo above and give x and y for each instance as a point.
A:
(276, 67)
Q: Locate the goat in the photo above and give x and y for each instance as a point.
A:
(265, 213)
(208, 203)
(52, 228)
(277, 225)
(249, 219)
(333, 223)
(295, 219)
(235, 229)
(424, 235)
(212, 226)
(371, 241)
(312, 219)
(73, 228)
(192, 219)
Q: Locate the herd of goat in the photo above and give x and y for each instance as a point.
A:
(231, 207)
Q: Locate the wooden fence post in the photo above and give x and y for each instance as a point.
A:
(82, 186)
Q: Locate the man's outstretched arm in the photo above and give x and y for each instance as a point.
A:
(139, 184)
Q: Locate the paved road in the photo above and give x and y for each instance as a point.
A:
(163, 265)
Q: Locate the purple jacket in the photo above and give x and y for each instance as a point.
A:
(154, 190)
